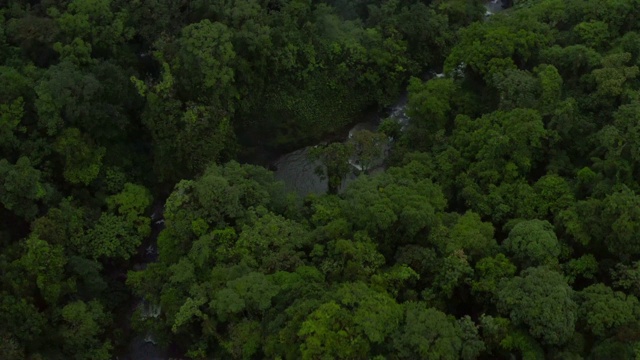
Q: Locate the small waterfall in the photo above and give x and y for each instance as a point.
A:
(399, 112)
(149, 310)
(494, 6)
(145, 346)
(299, 174)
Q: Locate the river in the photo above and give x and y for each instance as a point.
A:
(297, 171)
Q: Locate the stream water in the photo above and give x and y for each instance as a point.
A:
(143, 347)
(299, 175)
(297, 171)
(494, 6)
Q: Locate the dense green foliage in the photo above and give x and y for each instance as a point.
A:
(506, 224)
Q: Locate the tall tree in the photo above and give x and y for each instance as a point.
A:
(541, 301)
